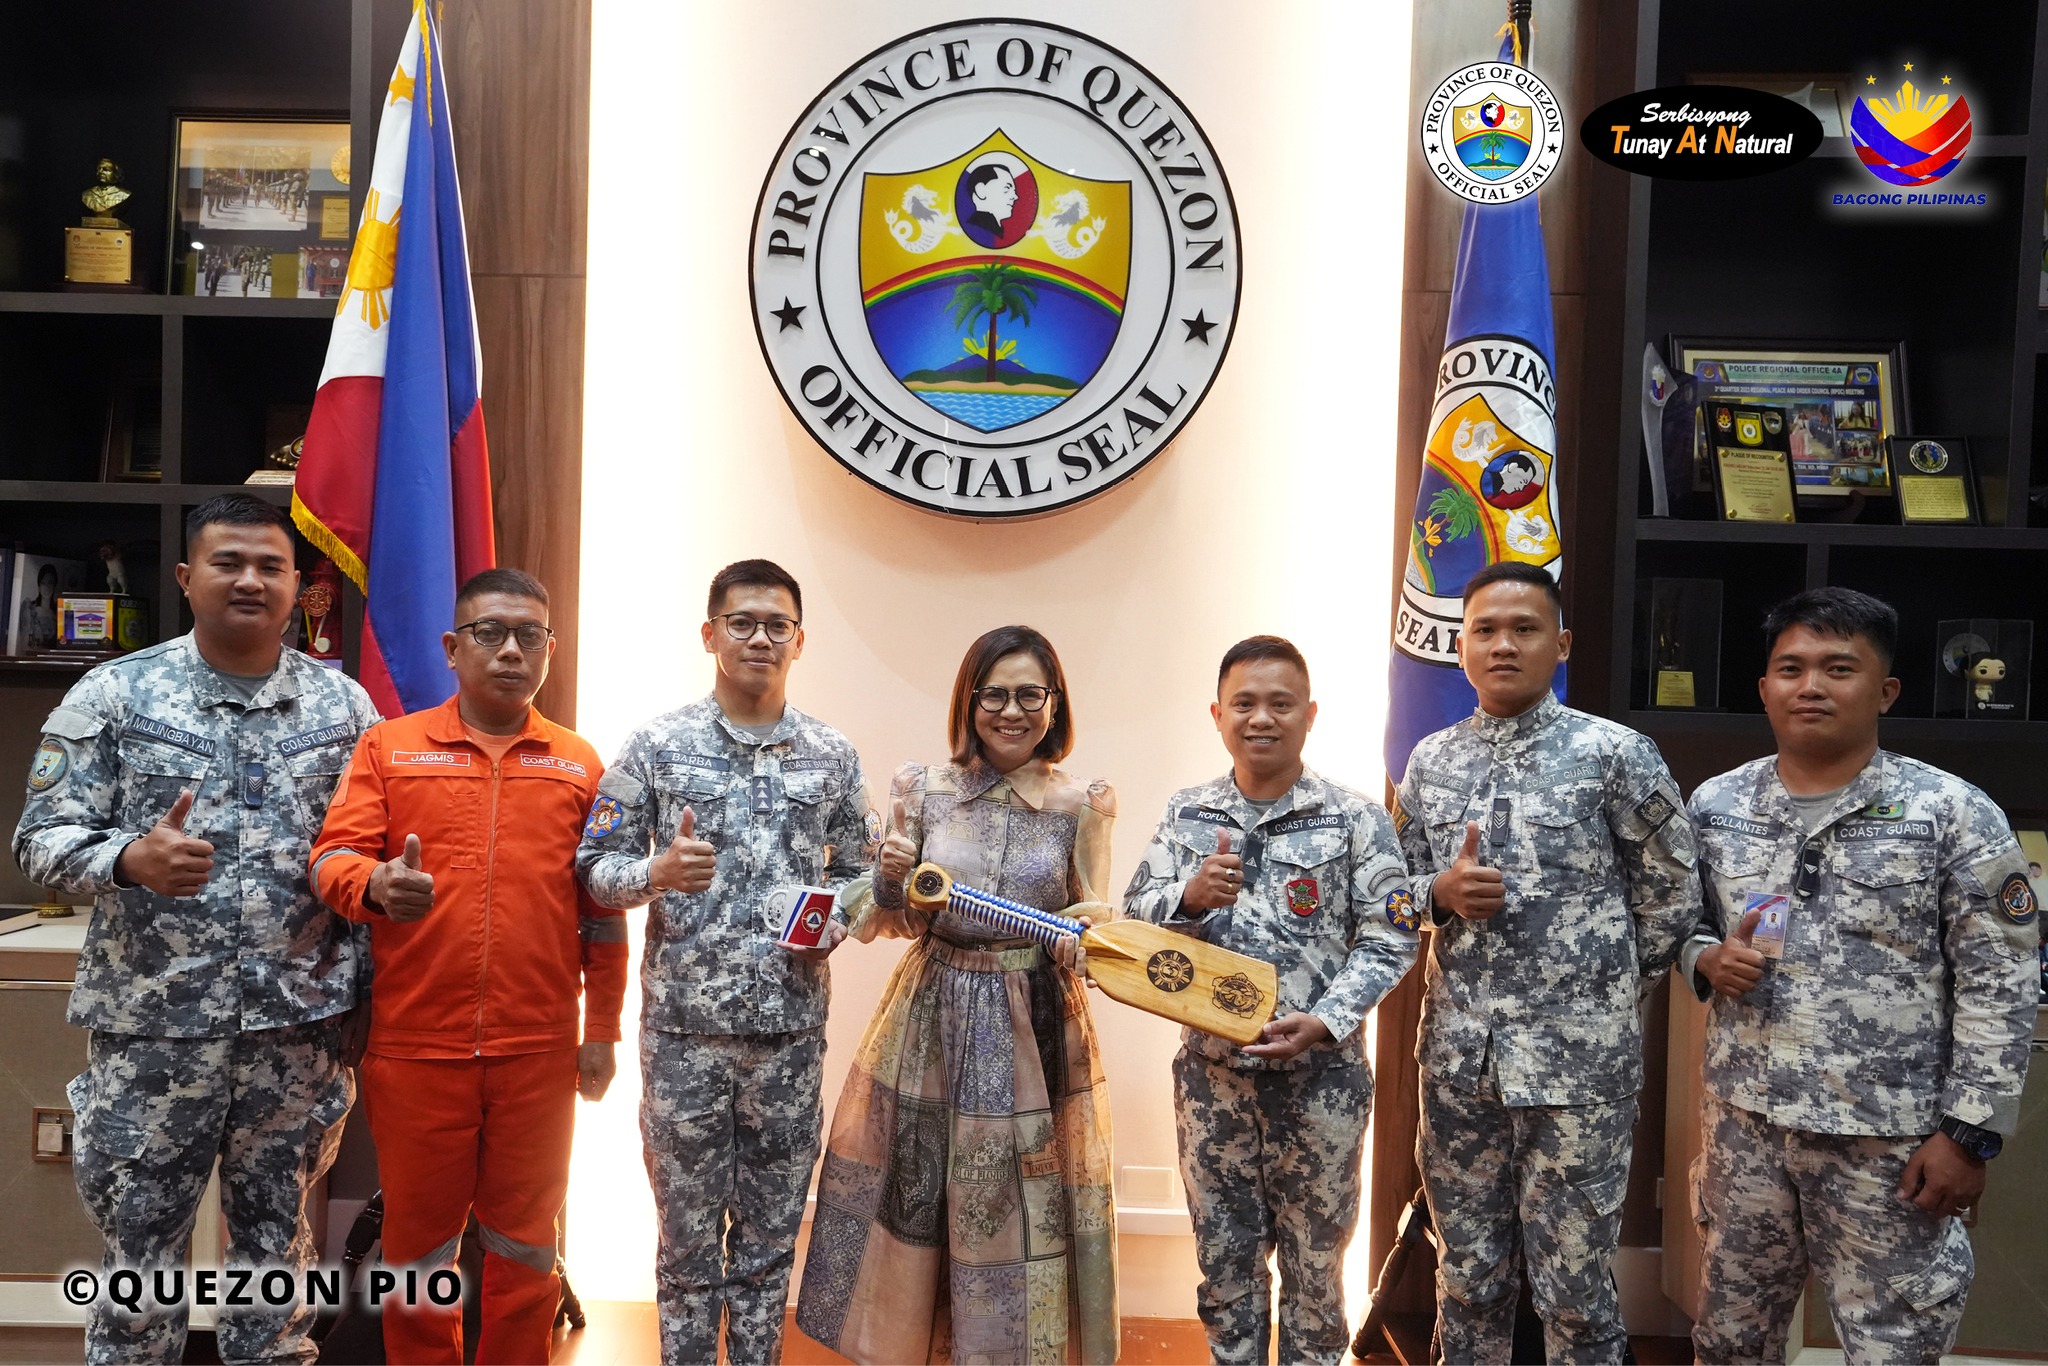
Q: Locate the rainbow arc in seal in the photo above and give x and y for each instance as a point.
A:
(993, 284)
(1910, 139)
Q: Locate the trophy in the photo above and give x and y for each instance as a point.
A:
(1678, 627)
(101, 250)
(281, 466)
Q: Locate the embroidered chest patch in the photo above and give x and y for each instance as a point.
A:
(1303, 896)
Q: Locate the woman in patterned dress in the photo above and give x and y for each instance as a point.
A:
(964, 1210)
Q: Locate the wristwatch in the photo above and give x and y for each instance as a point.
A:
(1982, 1144)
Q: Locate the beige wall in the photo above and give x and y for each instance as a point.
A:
(1268, 514)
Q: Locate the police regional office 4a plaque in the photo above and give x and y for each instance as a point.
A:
(995, 268)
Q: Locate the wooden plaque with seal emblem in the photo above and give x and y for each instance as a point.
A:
(1136, 962)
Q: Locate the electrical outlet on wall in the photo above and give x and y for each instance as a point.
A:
(51, 1135)
(1152, 1187)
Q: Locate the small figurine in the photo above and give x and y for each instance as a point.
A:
(1985, 672)
(117, 573)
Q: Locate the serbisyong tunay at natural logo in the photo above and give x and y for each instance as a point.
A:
(995, 268)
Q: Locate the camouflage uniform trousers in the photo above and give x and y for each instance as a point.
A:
(731, 1126)
(1774, 1201)
(1270, 1159)
(153, 1113)
(1534, 1185)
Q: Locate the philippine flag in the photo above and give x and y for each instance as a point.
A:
(395, 481)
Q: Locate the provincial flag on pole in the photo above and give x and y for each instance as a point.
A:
(395, 482)
(1488, 491)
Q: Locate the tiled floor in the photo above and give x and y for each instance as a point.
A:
(622, 1333)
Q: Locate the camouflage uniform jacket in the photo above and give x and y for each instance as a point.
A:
(1582, 817)
(1325, 900)
(255, 949)
(791, 810)
(1908, 984)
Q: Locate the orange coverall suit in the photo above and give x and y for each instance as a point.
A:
(470, 1079)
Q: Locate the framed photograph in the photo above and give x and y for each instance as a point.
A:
(1829, 96)
(132, 447)
(1842, 402)
(259, 205)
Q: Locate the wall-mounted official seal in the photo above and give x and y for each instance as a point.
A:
(995, 267)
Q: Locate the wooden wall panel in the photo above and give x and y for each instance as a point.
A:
(519, 81)
(532, 328)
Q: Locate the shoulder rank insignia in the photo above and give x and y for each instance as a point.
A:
(1303, 896)
(605, 815)
(2016, 899)
(1401, 912)
(1884, 811)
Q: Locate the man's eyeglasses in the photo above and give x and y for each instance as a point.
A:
(531, 635)
(1031, 698)
(742, 625)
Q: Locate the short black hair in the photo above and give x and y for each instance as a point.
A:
(515, 583)
(991, 649)
(1259, 647)
(1517, 571)
(234, 509)
(752, 574)
(1840, 612)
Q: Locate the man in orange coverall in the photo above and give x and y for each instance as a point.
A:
(453, 835)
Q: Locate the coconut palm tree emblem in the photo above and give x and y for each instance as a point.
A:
(1490, 145)
(990, 292)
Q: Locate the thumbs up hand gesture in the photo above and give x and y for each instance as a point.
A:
(898, 854)
(401, 888)
(1217, 882)
(688, 864)
(1468, 887)
(167, 860)
(1733, 967)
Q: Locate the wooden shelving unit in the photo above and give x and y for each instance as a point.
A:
(217, 363)
(1764, 258)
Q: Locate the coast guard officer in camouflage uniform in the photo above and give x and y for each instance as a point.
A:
(709, 810)
(1554, 860)
(183, 786)
(1869, 951)
(1277, 862)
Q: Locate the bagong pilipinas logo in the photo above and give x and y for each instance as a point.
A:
(1913, 138)
(995, 268)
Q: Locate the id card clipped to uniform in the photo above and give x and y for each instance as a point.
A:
(1772, 909)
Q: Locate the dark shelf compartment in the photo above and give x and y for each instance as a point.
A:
(59, 375)
(236, 371)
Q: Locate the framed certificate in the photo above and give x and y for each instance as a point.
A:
(1842, 402)
(1751, 472)
(259, 206)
